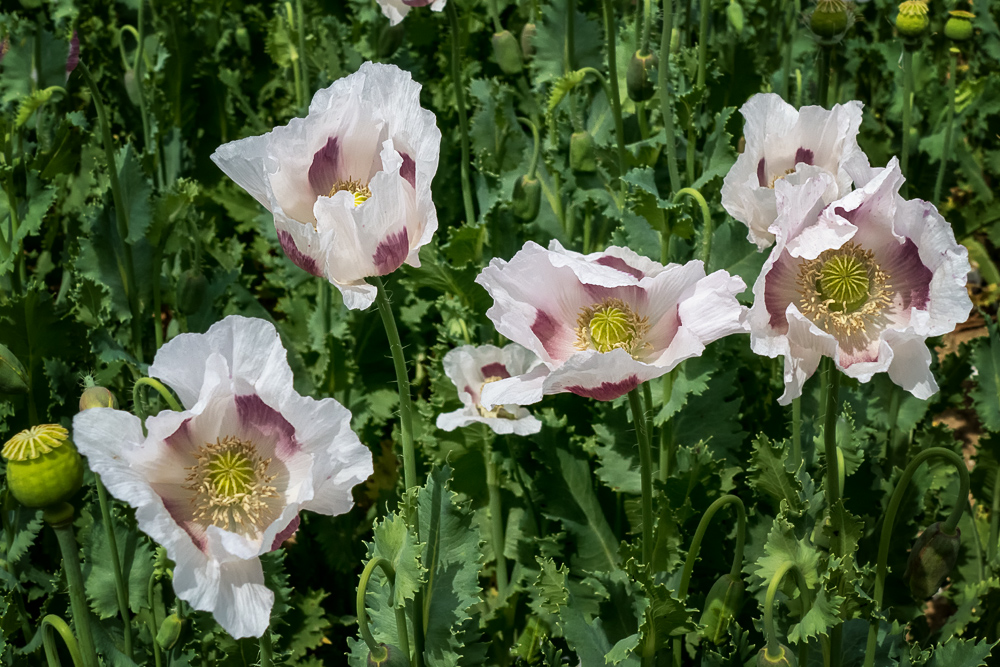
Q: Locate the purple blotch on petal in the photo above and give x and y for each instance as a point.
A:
(323, 170)
(495, 370)
(417, 3)
(292, 526)
(391, 252)
(545, 328)
(195, 532)
(606, 391)
(408, 170)
(298, 258)
(912, 278)
(180, 439)
(257, 415)
(761, 174)
(620, 264)
(804, 155)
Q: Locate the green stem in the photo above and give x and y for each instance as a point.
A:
(140, 407)
(689, 162)
(977, 543)
(378, 651)
(787, 65)
(885, 539)
(303, 66)
(832, 377)
(645, 472)
(950, 127)
(706, 5)
(153, 625)
(54, 623)
(569, 45)
(616, 102)
(60, 517)
(991, 546)
(668, 387)
(496, 514)
(536, 146)
(121, 584)
(707, 227)
(770, 634)
(295, 56)
(666, 95)
(823, 84)
(894, 400)
(266, 650)
(904, 159)
(157, 314)
(797, 431)
(463, 121)
(138, 67)
(647, 24)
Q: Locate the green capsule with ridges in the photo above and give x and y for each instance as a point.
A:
(43, 466)
(723, 604)
(582, 153)
(959, 25)
(13, 377)
(829, 19)
(527, 198)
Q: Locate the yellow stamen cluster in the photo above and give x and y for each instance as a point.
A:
(780, 176)
(360, 191)
(610, 325)
(845, 293)
(498, 411)
(230, 486)
(33, 442)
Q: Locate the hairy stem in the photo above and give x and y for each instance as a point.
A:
(707, 227)
(463, 121)
(60, 517)
(950, 127)
(904, 159)
(666, 95)
(616, 101)
(645, 472)
(121, 584)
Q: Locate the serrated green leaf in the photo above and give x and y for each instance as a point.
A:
(782, 547)
(986, 394)
(136, 559)
(562, 87)
(769, 475)
(961, 653)
(819, 619)
(26, 526)
(395, 541)
(311, 628)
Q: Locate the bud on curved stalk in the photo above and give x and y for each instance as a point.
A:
(784, 658)
(131, 87)
(527, 198)
(13, 377)
(394, 657)
(639, 77)
(734, 12)
(43, 466)
(191, 288)
(582, 156)
(389, 39)
(912, 19)
(97, 397)
(528, 33)
(830, 19)
(170, 631)
(959, 25)
(933, 556)
(723, 603)
(507, 53)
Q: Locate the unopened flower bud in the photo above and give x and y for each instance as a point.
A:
(933, 556)
(73, 59)
(784, 658)
(13, 377)
(243, 39)
(97, 397)
(829, 18)
(507, 53)
(912, 20)
(528, 33)
(394, 657)
(582, 156)
(734, 12)
(170, 631)
(191, 288)
(389, 39)
(43, 466)
(131, 86)
(527, 198)
(724, 602)
(639, 77)
(959, 25)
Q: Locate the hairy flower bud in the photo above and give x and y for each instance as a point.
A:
(13, 377)
(528, 33)
(933, 556)
(507, 53)
(639, 77)
(581, 152)
(169, 632)
(912, 20)
(43, 466)
(97, 397)
(394, 657)
(829, 19)
(959, 25)
(784, 658)
(734, 12)
(722, 605)
(527, 198)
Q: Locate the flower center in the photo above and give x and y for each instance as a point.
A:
(231, 485)
(610, 325)
(845, 293)
(357, 188)
(498, 411)
(777, 178)
(33, 442)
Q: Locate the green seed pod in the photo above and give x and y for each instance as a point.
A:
(390, 38)
(191, 288)
(527, 198)
(722, 605)
(43, 466)
(582, 156)
(131, 87)
(785, 658)
(933, 556)
(734, 12)
(959, 25)
(528, 33)
(829, 18)
(169, 632)
(13, 377)
(97, 397)
(507, 53)
(394, 657)
(243, 39)
(912, 20)
(639, 77)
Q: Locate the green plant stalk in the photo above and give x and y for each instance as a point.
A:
(61, 519)
(904, 159)
(885, 538)
(770, 633)
(535, 148)
(121, 215)
(949, 131)
(157, 307)
(294, 55)
(496, 514)
(797, 431)
(705, 252)
(616, 101)
(463, 121)
(994, 519)
(668, 388)
(706, 5)
(54, 623)
(823, 83)
(569, 45)
(647, 401)
(645, 473)
(831, 393)
(787, 63)
(147, 136)
(977, 543)
(890, 441)
(266, 650)
(647, 25)
(689, 162)
(666, 96)
(303, 66)
(121, 584)
(402, 634)
(154, 624)
(137, 402)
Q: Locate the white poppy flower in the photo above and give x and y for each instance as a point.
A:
(781, 141)
(605, 322)
(471, 368)
(349, 185)
(865, 280)
(223, 482)
(396, 10)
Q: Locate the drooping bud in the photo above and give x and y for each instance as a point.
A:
(912, 20)
(959, 25)
(528, 33)
(43, 466)
(527, 198)
(191, 288)
(169, 632)
(97, 397)
(734, 12)
(582, 156)
(829, 19)
(784, 658)
(507, 53)
(723, 604)
(73, 59)
(243, 39)
(389, 39)
(394, 657)
(13, 377)
(933, 556)
(639, 77)
(131, 86)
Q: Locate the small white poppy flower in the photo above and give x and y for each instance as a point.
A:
(782, 141)
(349, 185)
(396, 10)
(223, 482)
(603, 323)
(864, 280)
(471, 368)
